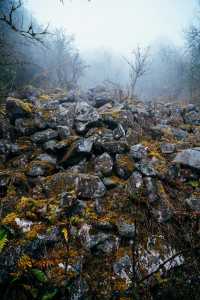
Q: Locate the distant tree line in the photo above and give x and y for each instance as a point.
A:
(30, 54)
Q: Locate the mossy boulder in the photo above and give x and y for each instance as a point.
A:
(18, 109)
(86, 186)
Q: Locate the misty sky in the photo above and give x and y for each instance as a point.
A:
(117, 24)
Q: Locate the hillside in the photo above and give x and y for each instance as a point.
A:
(100, 199)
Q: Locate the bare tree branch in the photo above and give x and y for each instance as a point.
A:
(137, 66)
(9, 19)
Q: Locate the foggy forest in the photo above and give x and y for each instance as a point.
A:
(99, 149)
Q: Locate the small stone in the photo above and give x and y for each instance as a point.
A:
(40, 168)
(63, 131)
(151, 188)
(179, 134)
(124, 268)
(50, 145)
(112, 147)
(192, 118)
(46, 157)
(77, 151)
(101, 243)
(67, 199)
(126, 230)
(104, 164)
(44, 136)
(138, 151)
(89, 186)
(119, 132)
(146, 169)
(7, 148)
(168, 148)
(135, 183)
(101, 100)
(162, 214)
(193, 203)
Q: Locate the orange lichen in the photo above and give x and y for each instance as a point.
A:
(24, 262)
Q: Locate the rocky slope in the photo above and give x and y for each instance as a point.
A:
(100, 199)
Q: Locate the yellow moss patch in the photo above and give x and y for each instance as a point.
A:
(28, 205)
(44, 97)
(9, 219)
(120, 285)
(35, 230)
(27, 107)
(126, 162)
(24, 263)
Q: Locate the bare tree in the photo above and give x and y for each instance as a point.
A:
(61, 65)
(137, 66)
(8, 17)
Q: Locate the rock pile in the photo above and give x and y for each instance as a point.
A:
(95, 195)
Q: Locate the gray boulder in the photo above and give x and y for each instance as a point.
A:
(189, 157)
(85, 117)
(124, 268)
(112, 146)
(101, 243)
(18, 109)
(104, 164)
(146, 169)
(40, 168)
(192, 118)
(126, 230)
(46, 157)
(135, 183)
(167, 148)
(193, 203)
(138, 151)
(84, 185)
(44, 136)
(77, 151)
(63, 131)
(9, 148)
(179, 134)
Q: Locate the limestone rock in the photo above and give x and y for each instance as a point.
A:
(168, 148)
(85, 116)
(138, 151)
(189, 157)
(85, 185)
(104, 164)
(146, 169)
(40, 168)
(18, 109)
(44, 136)
(77, 151)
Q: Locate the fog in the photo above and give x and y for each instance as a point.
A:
(117, 24)
(147, 48)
